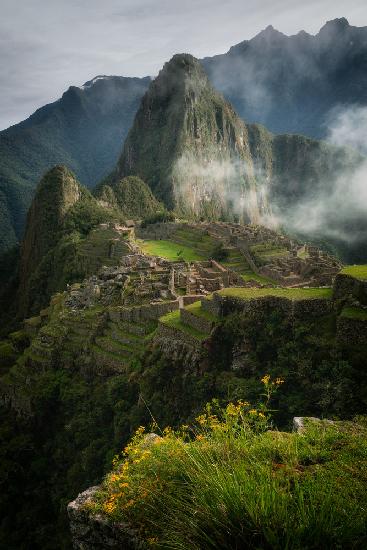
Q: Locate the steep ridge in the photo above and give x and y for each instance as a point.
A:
(292, 84)
(131, 196)
(55, 248)
(84, 130)
(191, 148)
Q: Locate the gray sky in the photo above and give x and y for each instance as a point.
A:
(48, 45)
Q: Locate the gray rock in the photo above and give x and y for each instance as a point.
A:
(94, 531)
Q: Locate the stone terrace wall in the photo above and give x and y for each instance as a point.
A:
(146, 312)
(351, 332)
(346, 285)
(199, 323)
(222, 306)
(178, 344)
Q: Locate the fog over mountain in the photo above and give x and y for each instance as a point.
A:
(311, 85)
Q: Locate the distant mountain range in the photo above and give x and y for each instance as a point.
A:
(289, 84)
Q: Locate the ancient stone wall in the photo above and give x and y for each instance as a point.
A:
(190, 299)
(222, 306)
(142, 313)
(199, 323)
(351, 332)
(347, 286)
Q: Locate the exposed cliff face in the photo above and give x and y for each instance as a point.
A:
(201, 159)
(192, 149)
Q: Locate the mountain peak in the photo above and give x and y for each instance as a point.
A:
(335, 26)
(269, 34)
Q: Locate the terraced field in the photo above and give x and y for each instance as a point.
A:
(290, 293)
(357, 271)
(170, 250)
(263, 253)
(194, 244)
(122, 342)
(102, 247)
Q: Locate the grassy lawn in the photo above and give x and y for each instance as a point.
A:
(357, 271)
(355, 313)
(170, 250)
(290, 293)
(173, 319)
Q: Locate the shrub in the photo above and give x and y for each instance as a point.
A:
(219, 253)
(160, 217)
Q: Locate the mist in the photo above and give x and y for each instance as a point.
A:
(338, 211)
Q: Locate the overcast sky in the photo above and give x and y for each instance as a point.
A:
(48, 45)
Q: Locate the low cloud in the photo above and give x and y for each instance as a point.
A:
(339, 210)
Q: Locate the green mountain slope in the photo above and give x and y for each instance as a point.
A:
(83, 130)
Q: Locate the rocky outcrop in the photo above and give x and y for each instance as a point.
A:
(95, 532)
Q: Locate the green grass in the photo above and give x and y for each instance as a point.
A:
(173, 320)
(170, 250)
(267, 250)
(197, 310)
(251, 276)
(357, 271)
(355, 313)
(233, 485)
(290, 293)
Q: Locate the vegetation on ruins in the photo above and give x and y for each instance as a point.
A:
(230, 480)
(163, 216)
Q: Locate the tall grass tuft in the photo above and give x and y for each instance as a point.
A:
(233, 482)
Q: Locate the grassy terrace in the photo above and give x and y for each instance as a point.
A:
(268, 250)
(173, 320)
(355, 313)
(197, 310)
(290, 293)
(170, 250)
(251, 276)
(357, 271)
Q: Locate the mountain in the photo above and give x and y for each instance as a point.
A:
(191, 148)
(131, 196)
(198, 157)
(292, 84)
(83, 130)
(56, 248)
